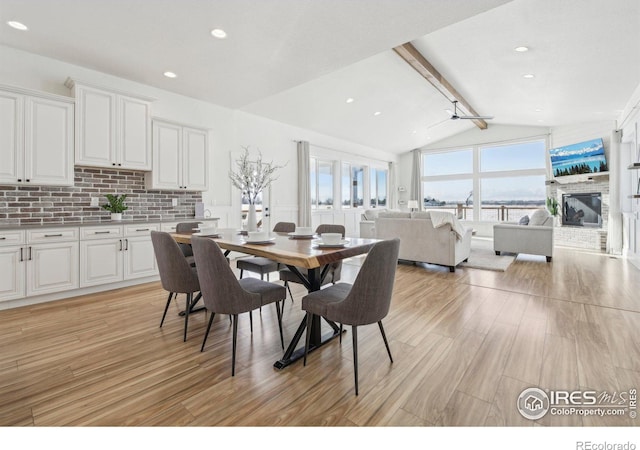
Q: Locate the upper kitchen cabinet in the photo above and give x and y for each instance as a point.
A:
(36, 138)
(180, 157)
(113, 127)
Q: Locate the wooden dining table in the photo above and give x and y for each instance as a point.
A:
(296, 253)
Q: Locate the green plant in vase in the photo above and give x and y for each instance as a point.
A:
(553, 206)
(116, 205)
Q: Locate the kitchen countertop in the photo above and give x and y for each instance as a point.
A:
(89, 223)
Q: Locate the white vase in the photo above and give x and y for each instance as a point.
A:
(116, 216)
(252, 222)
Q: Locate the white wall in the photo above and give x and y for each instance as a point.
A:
(229, 130)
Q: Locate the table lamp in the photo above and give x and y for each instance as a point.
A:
(412, 204)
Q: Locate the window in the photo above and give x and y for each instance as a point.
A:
(497, 182)
(357, 186)
(378, 187)
(345, 185)
(321, 180)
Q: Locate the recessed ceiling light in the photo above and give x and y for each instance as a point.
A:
(170, 75)
(528, 75)
(521, 49)
(414, 131)
(218, 33)
(538, 110)
(17, 25)
(349, 100)
(377, 113)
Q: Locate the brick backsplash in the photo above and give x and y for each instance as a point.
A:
(21, 205)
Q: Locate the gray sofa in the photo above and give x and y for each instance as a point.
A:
(446, 244)
(535, 237)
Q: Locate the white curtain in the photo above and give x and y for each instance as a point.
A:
(391, 183)
(304, 190)
(416, 177)
(614, 235)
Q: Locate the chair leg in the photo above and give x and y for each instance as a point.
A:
(340, 338)
(355, 354)
(235, 341)
(268, 277)
(186, 315)
(307, 339)
(279, 322)
(206, 333)
(241, 272)
(384, 337)
(286, 284)
(166, 308)
(251, 320)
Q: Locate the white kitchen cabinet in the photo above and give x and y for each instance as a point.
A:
(113, 128)
(180, 157)
(52, 260)
(113, 253)
(36, 138)
(12, 265)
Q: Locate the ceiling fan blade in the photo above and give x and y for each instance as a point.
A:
(475, 117)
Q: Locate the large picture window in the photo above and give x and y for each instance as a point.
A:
(378, 187)
(321, 180)
(496, 182)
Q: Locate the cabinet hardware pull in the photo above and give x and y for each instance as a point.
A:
(2, 238)
(21, 258)
(102, 232)
(126, 244)
(19, 180)
(53, 235)
(120, 244)
(29, 254)
(142, 229)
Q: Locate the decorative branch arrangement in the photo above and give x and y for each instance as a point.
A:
(252, 177)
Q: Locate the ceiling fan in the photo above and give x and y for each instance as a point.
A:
(455, 116)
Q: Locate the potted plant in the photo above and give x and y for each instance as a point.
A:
(552, 206)
(252, 177)
(116, 205)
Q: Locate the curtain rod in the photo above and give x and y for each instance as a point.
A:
(461, 146)
(343, 152)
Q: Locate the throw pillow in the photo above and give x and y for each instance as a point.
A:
(524, 221)
(539, 217)
(421, 215)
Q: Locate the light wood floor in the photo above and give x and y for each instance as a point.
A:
(465, 344)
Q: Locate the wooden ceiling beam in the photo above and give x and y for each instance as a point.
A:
(415, 59)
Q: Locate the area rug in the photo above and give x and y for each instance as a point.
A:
(483, 257)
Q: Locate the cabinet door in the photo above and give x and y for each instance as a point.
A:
(11, 137)
(49, 142)
(167, 161)
(101, 261)
(52, 267)
(12, 271)
(134, 150)
(139, 258)
(195, 159)
(96, 127)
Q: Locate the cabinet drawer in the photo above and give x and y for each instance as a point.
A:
(140, 230)
(169, 227)
(101, 232)
(52, 235)
(13, 237)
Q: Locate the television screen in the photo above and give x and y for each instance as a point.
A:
(574, 159)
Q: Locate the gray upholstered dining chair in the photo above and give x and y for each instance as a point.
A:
(365, 302)
(187, 227)
(335, 270)
(176, 274)
(259, 264)
(224, 294)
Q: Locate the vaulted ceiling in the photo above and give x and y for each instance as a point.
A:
(298, 61)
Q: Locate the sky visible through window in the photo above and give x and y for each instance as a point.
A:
(497, 170)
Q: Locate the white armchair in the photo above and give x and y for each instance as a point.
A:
(536, 238)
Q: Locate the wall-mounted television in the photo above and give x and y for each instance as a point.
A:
(575, 159)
